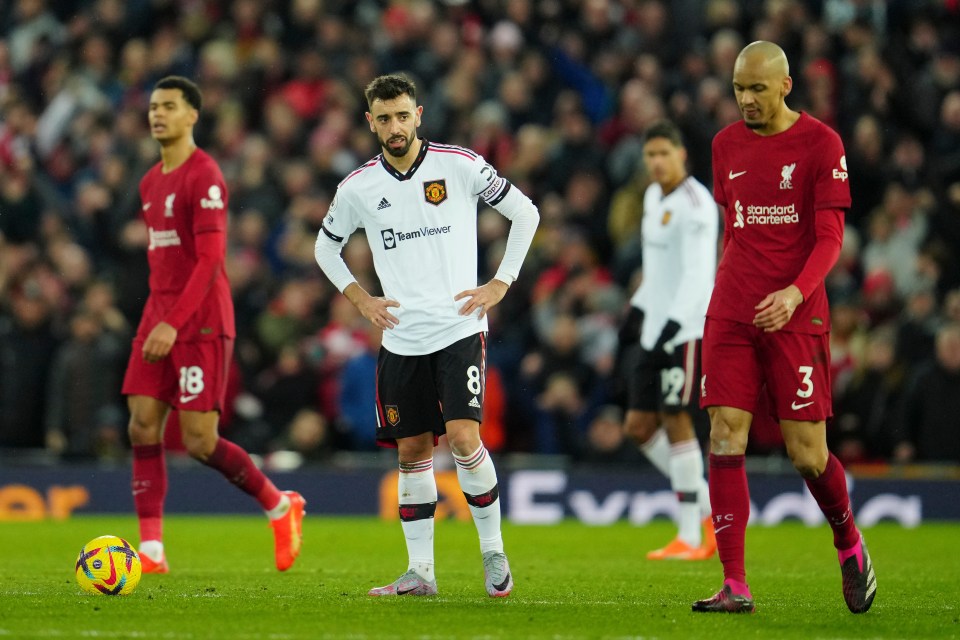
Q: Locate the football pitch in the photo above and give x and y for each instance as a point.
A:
(572, 581)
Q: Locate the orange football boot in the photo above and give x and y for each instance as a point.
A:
(288, 531)
(149, 566)
(676, 550)
(708, 546)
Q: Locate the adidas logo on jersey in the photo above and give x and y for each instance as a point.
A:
(383, 204)
(475, 403)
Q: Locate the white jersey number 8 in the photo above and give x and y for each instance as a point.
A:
(473, 380)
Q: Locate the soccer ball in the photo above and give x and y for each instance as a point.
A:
(108, 566)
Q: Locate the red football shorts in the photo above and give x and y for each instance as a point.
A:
(193, 377)
(739, 359)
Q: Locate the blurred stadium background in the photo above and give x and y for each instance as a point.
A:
(556, 94)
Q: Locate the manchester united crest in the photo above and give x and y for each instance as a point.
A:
(435, 191)
(393, 414)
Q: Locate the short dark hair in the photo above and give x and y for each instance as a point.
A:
(191, 92)
(664, 129)
(390, 87)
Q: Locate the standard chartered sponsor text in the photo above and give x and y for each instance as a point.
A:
(772, 214)
(162, 238)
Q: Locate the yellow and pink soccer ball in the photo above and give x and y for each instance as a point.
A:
(108, 566)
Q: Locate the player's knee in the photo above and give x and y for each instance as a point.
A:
(464, 442)
(415, 449)
(809, 462)
(640, 427)
(143, 430)
(728, 435)
(198, 445)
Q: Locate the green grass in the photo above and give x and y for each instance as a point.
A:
(572, 581)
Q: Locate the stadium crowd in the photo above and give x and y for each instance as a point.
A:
(556, 95)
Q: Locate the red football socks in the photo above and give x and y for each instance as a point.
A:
(149, 489)
(730, 500)
(237, 467)
(830, 492)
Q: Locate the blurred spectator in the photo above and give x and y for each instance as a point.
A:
(865, 420)
(847, 339)
(35, 28)
(895, 234)
(287, 318)
(931, 403)
(560, 355)
(917, 327)
(28, 345)
(84, 418)
(866, 156)
(561, 416)
(284, 389)
(880, 301)
(21, 208)
(357, 420)
(307, 438)
(341, 338)
(605, 443)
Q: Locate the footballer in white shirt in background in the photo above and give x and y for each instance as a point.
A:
(679, 242)
(417, 203)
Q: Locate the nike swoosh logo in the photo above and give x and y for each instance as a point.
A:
(147, 206)
(189, 398)
(112, 578)
(797, 407)
(137, 492)
(719, 529)
(502, 585)
(733, 175)
(403, 592)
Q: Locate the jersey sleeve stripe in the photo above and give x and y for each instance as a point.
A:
(453, 148)
(459, 152)
(332, 236)
(691, 193)
(359, 170)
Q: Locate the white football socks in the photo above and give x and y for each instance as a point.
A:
(686, 479)
(153, 549)
(418, 486)
(657, 450)
(281, 509)
(478, 481)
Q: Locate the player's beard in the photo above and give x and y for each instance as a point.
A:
(754, 123)
(397, 153)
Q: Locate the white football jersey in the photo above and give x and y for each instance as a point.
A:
(422, 231)
(679, 237)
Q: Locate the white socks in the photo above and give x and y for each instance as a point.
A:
(417, 489)
(683, 464)
(657, 450)
(153, 549)
(281, 509)
(478, 481)
(686, 479)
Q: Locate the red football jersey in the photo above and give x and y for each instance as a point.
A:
(770, 188)
(190, 200)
